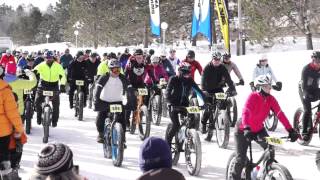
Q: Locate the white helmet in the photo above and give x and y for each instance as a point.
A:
(262, 80)
(155, 59)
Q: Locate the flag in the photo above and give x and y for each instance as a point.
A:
(154, 6)
(201, 20)
(223, 21)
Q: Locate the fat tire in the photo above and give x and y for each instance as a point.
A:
(282, 169)
(120, 138)
(144, 133)
(28, 116)
(174, 150)
(224, 143)
(234, 110)
(46, 123)
(297, 125)
(192, 135)
(80, 107)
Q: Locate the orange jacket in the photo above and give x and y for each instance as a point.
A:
(9, 115)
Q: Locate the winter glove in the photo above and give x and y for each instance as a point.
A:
(62, 88)
(231, 92)
(248, 134)
(241, 82)
(252, 86)
(293, 135)
(19, 146)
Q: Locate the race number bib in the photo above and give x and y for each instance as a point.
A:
(193, 110)
(162, 81)
(27, 91)
(220, 96)
(274, 141)
(79, 82)
(47, 93)
(115, 108)
(142, 91)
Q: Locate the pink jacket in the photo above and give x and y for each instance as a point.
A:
(256, 110)
(159, 72)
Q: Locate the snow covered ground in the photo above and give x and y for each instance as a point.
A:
(286, 62)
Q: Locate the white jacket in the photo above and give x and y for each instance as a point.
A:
(263, 70)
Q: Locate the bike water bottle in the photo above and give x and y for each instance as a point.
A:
(254, 173)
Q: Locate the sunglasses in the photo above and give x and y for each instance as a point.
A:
(263, 60)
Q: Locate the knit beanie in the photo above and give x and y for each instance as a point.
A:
(154, 153)
(54, 159)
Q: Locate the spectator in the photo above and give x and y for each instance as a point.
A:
(173, 59)
(66, 59)
(55, 161)
(8, 57)
(155, 161)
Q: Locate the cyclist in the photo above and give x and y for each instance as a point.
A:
(215, 76)
(66, 59)
(92, 66)
(250, 127)
(263, 68)
(135, 72)
(158, 71)
(110, 88)
(30, 62)
(166, 64)
(23, 60)
(78, 71)
(310, 91)
(195, 65)
(8, 57)
(173, 59)
(232, 66)
(177, 94)
(39, 59)
(50, 73)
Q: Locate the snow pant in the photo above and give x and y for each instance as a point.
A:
(4, 148)
(242, 145)
(306, 118)
(55, 103)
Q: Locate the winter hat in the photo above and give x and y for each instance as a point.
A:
(154, 153)
(191, 54)
(54, 159)
(138, 52)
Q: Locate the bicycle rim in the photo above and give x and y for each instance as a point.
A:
(277, 172)
(193, 152)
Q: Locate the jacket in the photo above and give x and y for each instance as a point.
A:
(158, 72)
(19, 85)
(263, 70)
(232, 66)
(9, 115)
(100, 105)
(5, 59)
(50, 75)
(22, 63)
(77, 70)
(65, 60)
(179, 89)
(136, 73)
(92, 68)
(310, 79)
(168, 67)
(124, 59)
(162, 174)
(195, 65)
(215, 77)
(256, 109)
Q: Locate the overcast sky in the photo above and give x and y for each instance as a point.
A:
(42, 4)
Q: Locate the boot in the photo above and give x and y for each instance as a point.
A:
(100, 138)
(38, 119)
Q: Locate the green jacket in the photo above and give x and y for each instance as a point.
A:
(51, 74)
(103, 68)
(19, 85)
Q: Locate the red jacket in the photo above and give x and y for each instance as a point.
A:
(194, 66)
(5, 59)
(256, 110)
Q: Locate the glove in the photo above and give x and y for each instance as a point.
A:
(28, 72)
(293, 135)
(19, 146)
(248, 134)
(231, 92)
(62, 88)
(279, 85)
(17, 135)
(252, 86)
(241, 82)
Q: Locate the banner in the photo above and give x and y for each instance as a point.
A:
(201, 20)
(154, 6)
(223, 21)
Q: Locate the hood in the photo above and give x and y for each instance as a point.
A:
(9, 78)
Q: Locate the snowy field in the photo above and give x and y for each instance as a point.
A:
(286, 61)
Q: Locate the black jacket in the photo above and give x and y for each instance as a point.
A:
(310, 80)
(215, 78)
(92, 69)
(100, 105)
(77, 70)
(179, 89)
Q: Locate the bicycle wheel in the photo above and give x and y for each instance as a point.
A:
(231, 166)
(174, 145)
(271, 122)
(46, 123)
(233, 112)
(76, 103)
(297, 125)
(90, 96)
(107, 141)
(164, 107)
(117, 144)
(194, 102)
(222, 129)
(145, 123)
(80, 105)
(277, 172)
(28, 116)
(133, 124)
(193, 152)
(156, 109)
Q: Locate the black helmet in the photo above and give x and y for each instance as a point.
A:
(151, 52)
(88, 51)
(105, 54)
(138, 52)
(94, 54)
(184, 68)
(226, 55)
(316, 55)
(79, 53)
(216, 55)
(191, 54)
(112, 55)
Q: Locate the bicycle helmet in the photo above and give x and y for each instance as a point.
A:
(216, 55)
(316, 55)
(155, 59)
(226, 55)
(262, 80)
(112, 55)
(113, 63)
(138, 52)
(30, 57)
(151, 52)
(48, 55)
(184, 68)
